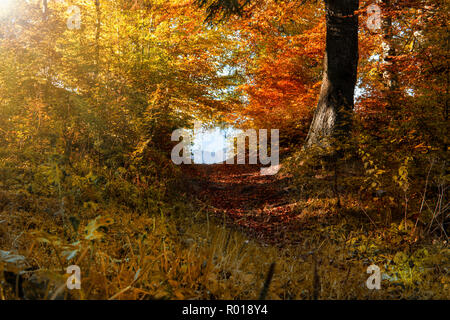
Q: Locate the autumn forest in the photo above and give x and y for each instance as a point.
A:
(224, 150)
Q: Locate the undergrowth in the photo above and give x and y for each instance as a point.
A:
(180, 253)
(135, 236)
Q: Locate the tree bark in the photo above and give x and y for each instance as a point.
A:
(389, 74)
(332, 118)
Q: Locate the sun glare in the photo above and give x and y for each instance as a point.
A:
(5, 6)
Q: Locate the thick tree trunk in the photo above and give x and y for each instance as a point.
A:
(332, 117)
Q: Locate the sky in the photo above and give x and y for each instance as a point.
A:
(213, 144)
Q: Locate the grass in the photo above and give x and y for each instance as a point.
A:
(182, 254)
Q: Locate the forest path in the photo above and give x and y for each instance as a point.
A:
(260, 206)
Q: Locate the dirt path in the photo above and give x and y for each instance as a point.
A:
(261, 206)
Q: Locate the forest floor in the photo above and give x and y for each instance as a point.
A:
(342, 240)
(217, 237)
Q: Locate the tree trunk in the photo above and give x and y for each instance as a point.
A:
(97, 38)
(389, 74)
(389, 52)
(44, 9)
(332, 118)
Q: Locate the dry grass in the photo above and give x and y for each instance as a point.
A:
(186, 256)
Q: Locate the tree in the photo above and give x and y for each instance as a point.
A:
(336, 98)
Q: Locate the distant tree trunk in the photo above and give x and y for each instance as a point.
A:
(97, 37)
(390, 79)
(388, 47)
(333, 114)
(45, 9)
